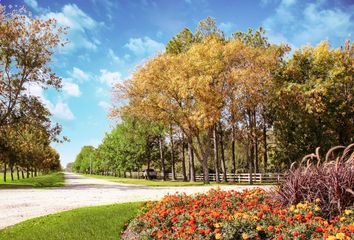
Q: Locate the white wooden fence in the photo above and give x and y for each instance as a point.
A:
(241, 177)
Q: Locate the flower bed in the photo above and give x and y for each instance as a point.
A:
(237, 215)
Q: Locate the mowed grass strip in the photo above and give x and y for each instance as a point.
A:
(170, 183)
(55, 179)
(100, 222)
(152, 183)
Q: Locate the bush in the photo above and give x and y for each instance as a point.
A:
(331, 181)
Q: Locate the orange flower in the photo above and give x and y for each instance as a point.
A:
(270, 228)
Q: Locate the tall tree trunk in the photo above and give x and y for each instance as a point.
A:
(205, 169)
(23, 175)
(35, 172)
(233, 155)
(31, 172)
(162, 159)
(28, 173)
(255, 141)
(216, 154)
(5, 173)
(265, 153)
(191, 163)
(172, 155)
(12, 171)
(183, 160)
(250, 146)
(250, 156)
(18, 173)
(223, 164)
(256, 161)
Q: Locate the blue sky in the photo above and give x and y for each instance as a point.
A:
(109, 38)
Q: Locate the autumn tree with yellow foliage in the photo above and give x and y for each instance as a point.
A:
(198, 88)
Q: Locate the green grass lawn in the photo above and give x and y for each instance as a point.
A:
(152, 183)
(49, 180)
(160, 183)
(101, 222)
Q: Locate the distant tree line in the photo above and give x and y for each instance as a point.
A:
(226, 105)
(26, 132)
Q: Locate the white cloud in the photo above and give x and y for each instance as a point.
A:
(105, 105)
(114, 57)
(34, 5)
(144, 46)
(80, 26)
(227, 27)
(159, 34)
(72, 89)
(110, 78)
(59, 109)
(308, 23)
(324, 23)
(79, 75)
(99, 91)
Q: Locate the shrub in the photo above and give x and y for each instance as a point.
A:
(331, 181)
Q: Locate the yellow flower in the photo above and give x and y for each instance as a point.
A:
(259, 228)
(342, 219)
(217, 236)
(292, 208)
(331, 238)
(216, 225)
(340, 236)
(245, 236)
(317, 208)
(317, 200)
(299, 205)
(348, 212)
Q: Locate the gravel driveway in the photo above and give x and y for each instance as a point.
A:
(17, 205)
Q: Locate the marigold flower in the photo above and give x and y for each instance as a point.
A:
(270, 228)
(245, 236)
(331, 238)
(340, 235)
(217, 236)
(348, 212)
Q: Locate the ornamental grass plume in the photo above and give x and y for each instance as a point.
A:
(330, 181)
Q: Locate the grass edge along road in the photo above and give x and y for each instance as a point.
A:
(168, 183)
(55, 179)
(98, 222)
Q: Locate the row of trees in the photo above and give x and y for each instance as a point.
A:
(26, 48)
(239, 101)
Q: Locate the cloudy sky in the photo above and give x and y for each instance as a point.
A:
(109, 38)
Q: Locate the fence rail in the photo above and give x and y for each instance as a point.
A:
(241, 177)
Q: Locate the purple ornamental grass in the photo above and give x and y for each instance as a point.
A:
(331, 181)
